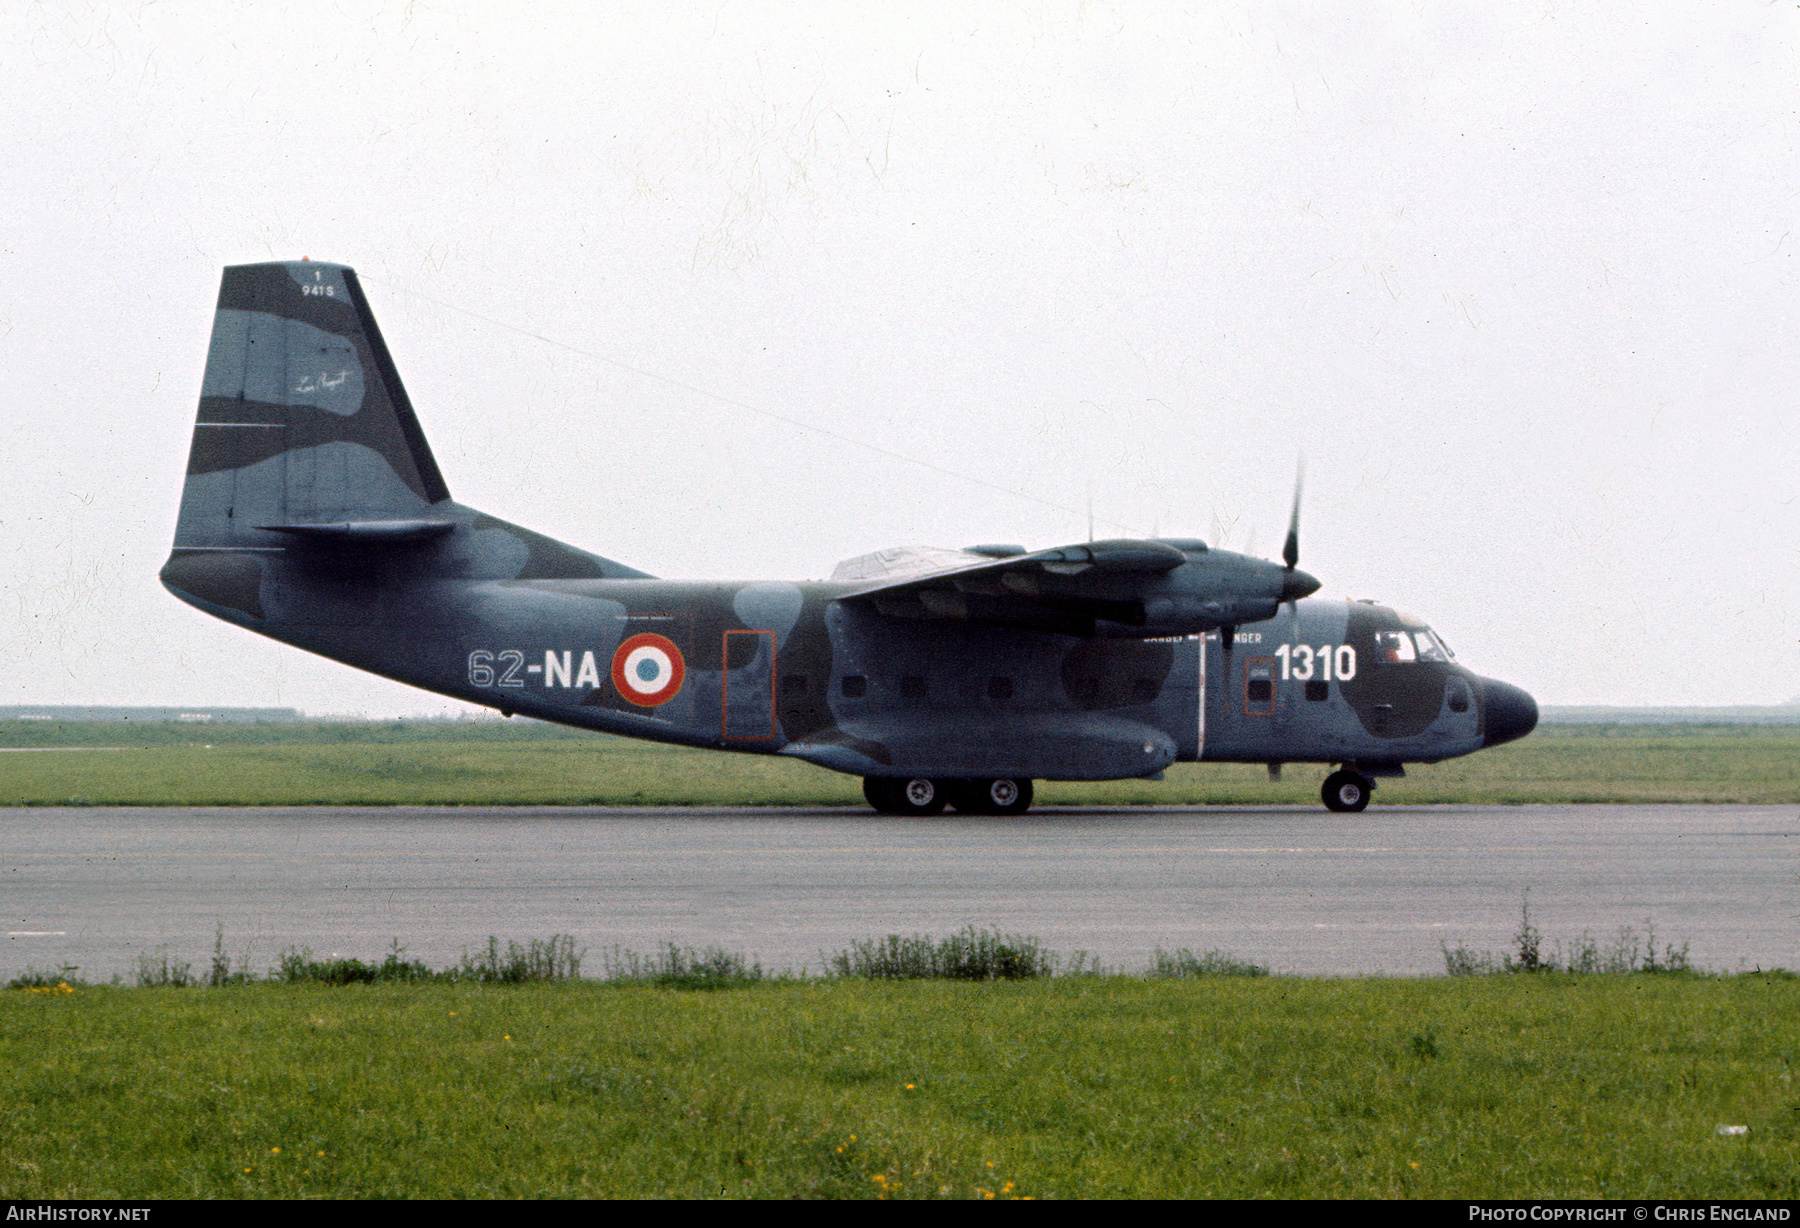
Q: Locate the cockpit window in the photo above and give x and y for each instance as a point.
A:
(1431, 648)
(1395, 637)
(1409, 646)
(1394, 647)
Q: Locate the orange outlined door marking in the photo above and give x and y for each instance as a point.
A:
(747, 705)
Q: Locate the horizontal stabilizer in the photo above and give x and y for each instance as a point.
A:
(372, 532)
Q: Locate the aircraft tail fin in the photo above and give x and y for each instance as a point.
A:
(303, 421)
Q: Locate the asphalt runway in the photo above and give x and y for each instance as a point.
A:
(1299, 889)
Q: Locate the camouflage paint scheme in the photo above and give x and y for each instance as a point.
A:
(314, 513)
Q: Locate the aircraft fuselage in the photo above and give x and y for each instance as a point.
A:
(794, 669)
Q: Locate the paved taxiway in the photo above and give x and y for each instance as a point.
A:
(1299, 889)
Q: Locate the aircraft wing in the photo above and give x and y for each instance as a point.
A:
(1061, 590)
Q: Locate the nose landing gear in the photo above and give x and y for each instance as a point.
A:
(1346, 792)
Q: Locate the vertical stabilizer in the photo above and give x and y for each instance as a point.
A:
(303, 419)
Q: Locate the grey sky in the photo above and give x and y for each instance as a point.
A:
(1518, 280)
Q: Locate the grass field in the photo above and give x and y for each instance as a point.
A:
(1545, 1086)
(516, 762)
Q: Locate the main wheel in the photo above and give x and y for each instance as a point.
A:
(1007, 796)
(1346, 791)
(917, 796)
(921, 796)
(990, 796)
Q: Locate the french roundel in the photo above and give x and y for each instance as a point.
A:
(647, 670)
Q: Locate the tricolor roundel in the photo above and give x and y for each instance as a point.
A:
(647, 669)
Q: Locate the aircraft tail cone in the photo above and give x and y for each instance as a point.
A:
(1511, 713)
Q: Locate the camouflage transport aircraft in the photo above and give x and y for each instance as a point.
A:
(314, 514)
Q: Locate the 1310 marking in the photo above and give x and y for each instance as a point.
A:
(1298, 661)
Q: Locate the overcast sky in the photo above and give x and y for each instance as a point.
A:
(740, 290)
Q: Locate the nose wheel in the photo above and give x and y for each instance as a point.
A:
(1346, 792)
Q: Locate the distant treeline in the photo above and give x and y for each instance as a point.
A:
(295, 732)
(201, 715)
(1739, 714)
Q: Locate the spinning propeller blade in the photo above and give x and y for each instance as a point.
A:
(1297, 584)
(1290, 553)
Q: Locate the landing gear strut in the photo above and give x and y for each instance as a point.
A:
(1346, 791)
(920, 796)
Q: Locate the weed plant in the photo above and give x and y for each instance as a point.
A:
(1184, 963)
(552, 959)
(972, 955)
(155, 970)
(1630, 953)
(47, 978)
(677, 967)
(222, 973)
(300, 968)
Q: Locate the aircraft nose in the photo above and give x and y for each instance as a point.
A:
(1297, 584)
(1510, 712)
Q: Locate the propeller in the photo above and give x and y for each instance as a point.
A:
(1290, 553)
(1297, 584)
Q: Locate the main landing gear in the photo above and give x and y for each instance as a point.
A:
(1346, 791)
(890, 795)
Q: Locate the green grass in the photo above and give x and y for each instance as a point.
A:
(526, 763)
(1469, 1087)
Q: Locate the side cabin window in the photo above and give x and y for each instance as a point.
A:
(1259, 686)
